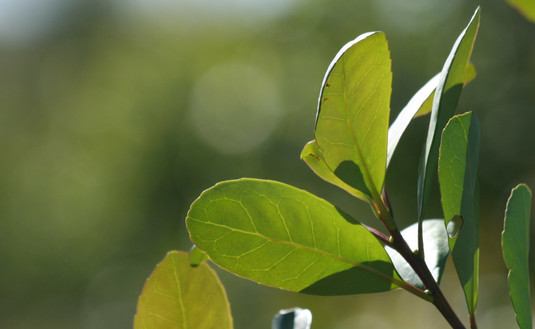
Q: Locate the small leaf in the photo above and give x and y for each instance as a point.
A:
(196, 256)
(444, 103)
(179, 296)
(525, 7)
(457, 175)
(281, 236)
(515, 245)
(293, 318)
(436, 251)
(353, 113)
(420, 104)
(312, 157)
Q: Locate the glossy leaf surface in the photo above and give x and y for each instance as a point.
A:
(281, 236)
(180, 296)
(312, 157)
(436, 251)
(293, 318)
(420, 104)
(444, 103)
(525, 7)
(459, 152)
(515, 245)
(353, 113)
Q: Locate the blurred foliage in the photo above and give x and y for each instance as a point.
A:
(115, 115)
(525, 7)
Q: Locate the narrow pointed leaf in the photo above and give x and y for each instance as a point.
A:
(353, 113)
(525, 7)
(469, 75)
(312, 157)
(436, 251)
(444, 103)
(424, 96)
(179, 296)
(293, 318)
(457, 175)
(281, 236)
(515, 245)
(420, 104)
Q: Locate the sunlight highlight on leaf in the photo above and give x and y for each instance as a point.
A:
(180, 296)
(281, 236)
(444, 103)
(353, 113)
(420, 104)
(312, 157)
(436, 251)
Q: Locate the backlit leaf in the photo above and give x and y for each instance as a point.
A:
(515, 245)
(180, 296)
(420, 104)
(457, 173)
(353, 113)
(281, 236)
(312, 157)
(444, 103)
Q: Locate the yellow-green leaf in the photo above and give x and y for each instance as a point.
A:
(353, 113)
(180, 296)
(312, 157)
(525, 7)
(420, 104)
(281, 236)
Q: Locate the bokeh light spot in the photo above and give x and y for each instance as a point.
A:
(235, 107)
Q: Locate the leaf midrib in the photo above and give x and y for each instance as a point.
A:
(366, 172)
(301, 246)
(179, 294)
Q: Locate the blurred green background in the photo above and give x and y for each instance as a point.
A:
(115, 115)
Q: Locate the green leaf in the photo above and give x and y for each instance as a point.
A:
(312, 157)
(196, 256)
(525, 7)
(293, 318)
(457, 175)
(444, 103)
(469, 75)
(420, 104)
(281, 236)
(515, 245)
(436, 251)
(179, 296)
(353, 113)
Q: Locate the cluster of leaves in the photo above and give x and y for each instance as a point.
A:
(281, 236)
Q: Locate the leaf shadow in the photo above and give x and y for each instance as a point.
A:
(356, 280)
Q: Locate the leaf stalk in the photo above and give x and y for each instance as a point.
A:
(419, 266)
